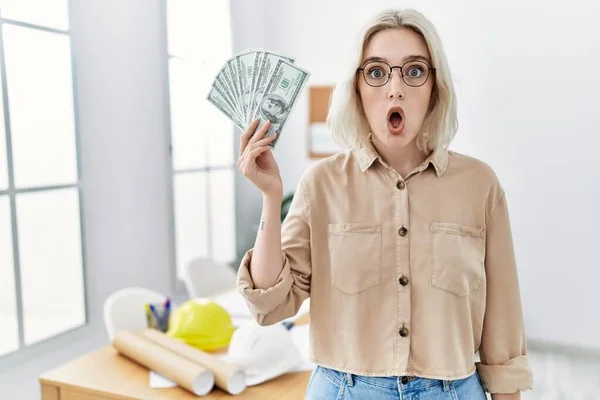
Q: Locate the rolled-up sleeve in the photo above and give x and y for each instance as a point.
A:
(283, 300)
(503, 352)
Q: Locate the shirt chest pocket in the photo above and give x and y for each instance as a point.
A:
(355, 256)
(458, 257)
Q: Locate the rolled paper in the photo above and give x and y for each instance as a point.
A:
(228, 377)
(187, 374)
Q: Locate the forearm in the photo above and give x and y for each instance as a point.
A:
(504, 368)
(266, 263)
(502, 396)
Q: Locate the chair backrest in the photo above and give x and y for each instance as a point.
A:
(205, 278)
(124, 309)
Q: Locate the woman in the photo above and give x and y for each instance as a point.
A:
(404, 247)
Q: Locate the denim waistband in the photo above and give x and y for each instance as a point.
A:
(390, 382)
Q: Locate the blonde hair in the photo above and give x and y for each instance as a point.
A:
(346, 117)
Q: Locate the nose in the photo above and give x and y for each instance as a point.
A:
(396, 85)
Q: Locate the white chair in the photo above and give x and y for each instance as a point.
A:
(124, 309)
(205, 278)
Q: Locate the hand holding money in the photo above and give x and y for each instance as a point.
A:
(257, 162)
(261, 85)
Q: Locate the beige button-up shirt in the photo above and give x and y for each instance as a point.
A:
(406, 276)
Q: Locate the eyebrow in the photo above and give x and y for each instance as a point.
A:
(413, 57)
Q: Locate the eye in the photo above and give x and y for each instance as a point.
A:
(376, 72)
(415, 72)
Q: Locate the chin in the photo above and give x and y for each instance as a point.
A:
(398, 141)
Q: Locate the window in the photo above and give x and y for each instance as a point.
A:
(41, 263)
(199, 42)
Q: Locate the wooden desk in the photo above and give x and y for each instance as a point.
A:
(104, 374)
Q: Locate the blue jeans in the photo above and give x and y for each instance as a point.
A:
(329, 384)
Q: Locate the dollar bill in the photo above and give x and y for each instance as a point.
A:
(217, 98)
(223, 79)
(245, 66)
(265, 71)
(258, 84)
(255, 73)
(235, 82)
(226, 96)
(280, 96)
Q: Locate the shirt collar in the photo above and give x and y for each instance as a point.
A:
(367, 155)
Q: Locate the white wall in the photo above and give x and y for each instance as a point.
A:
(249, 26)
(527, 79)
(124, 148)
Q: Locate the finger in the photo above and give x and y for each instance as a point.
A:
(260, 133)
(247, 135)
(249, 162)
(252, 146)
(264, 141)
(255, 136)
(257, 152)
(247, 155)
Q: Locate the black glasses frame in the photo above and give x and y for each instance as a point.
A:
(432, 70)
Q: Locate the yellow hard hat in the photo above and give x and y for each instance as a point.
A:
(203, 324)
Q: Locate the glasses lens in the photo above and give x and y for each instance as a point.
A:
(376, 73)
(415, 73)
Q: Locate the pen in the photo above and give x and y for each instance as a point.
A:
(148, 317)
(167, 314)
(153, 311)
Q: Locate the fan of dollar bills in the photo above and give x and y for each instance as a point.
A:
(258, 84)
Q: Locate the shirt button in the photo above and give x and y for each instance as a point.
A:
(401, 185)
(403, 280)
(402, 231)
(403, 331)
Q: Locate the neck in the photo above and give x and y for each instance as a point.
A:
(403, 160)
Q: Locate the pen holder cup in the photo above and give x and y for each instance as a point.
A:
(157, 316)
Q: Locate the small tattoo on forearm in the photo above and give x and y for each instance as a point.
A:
(262, 225)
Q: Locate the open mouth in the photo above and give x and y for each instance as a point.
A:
(396, 120)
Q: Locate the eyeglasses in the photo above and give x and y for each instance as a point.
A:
(378, 73)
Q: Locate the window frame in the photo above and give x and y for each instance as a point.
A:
(27, 352)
